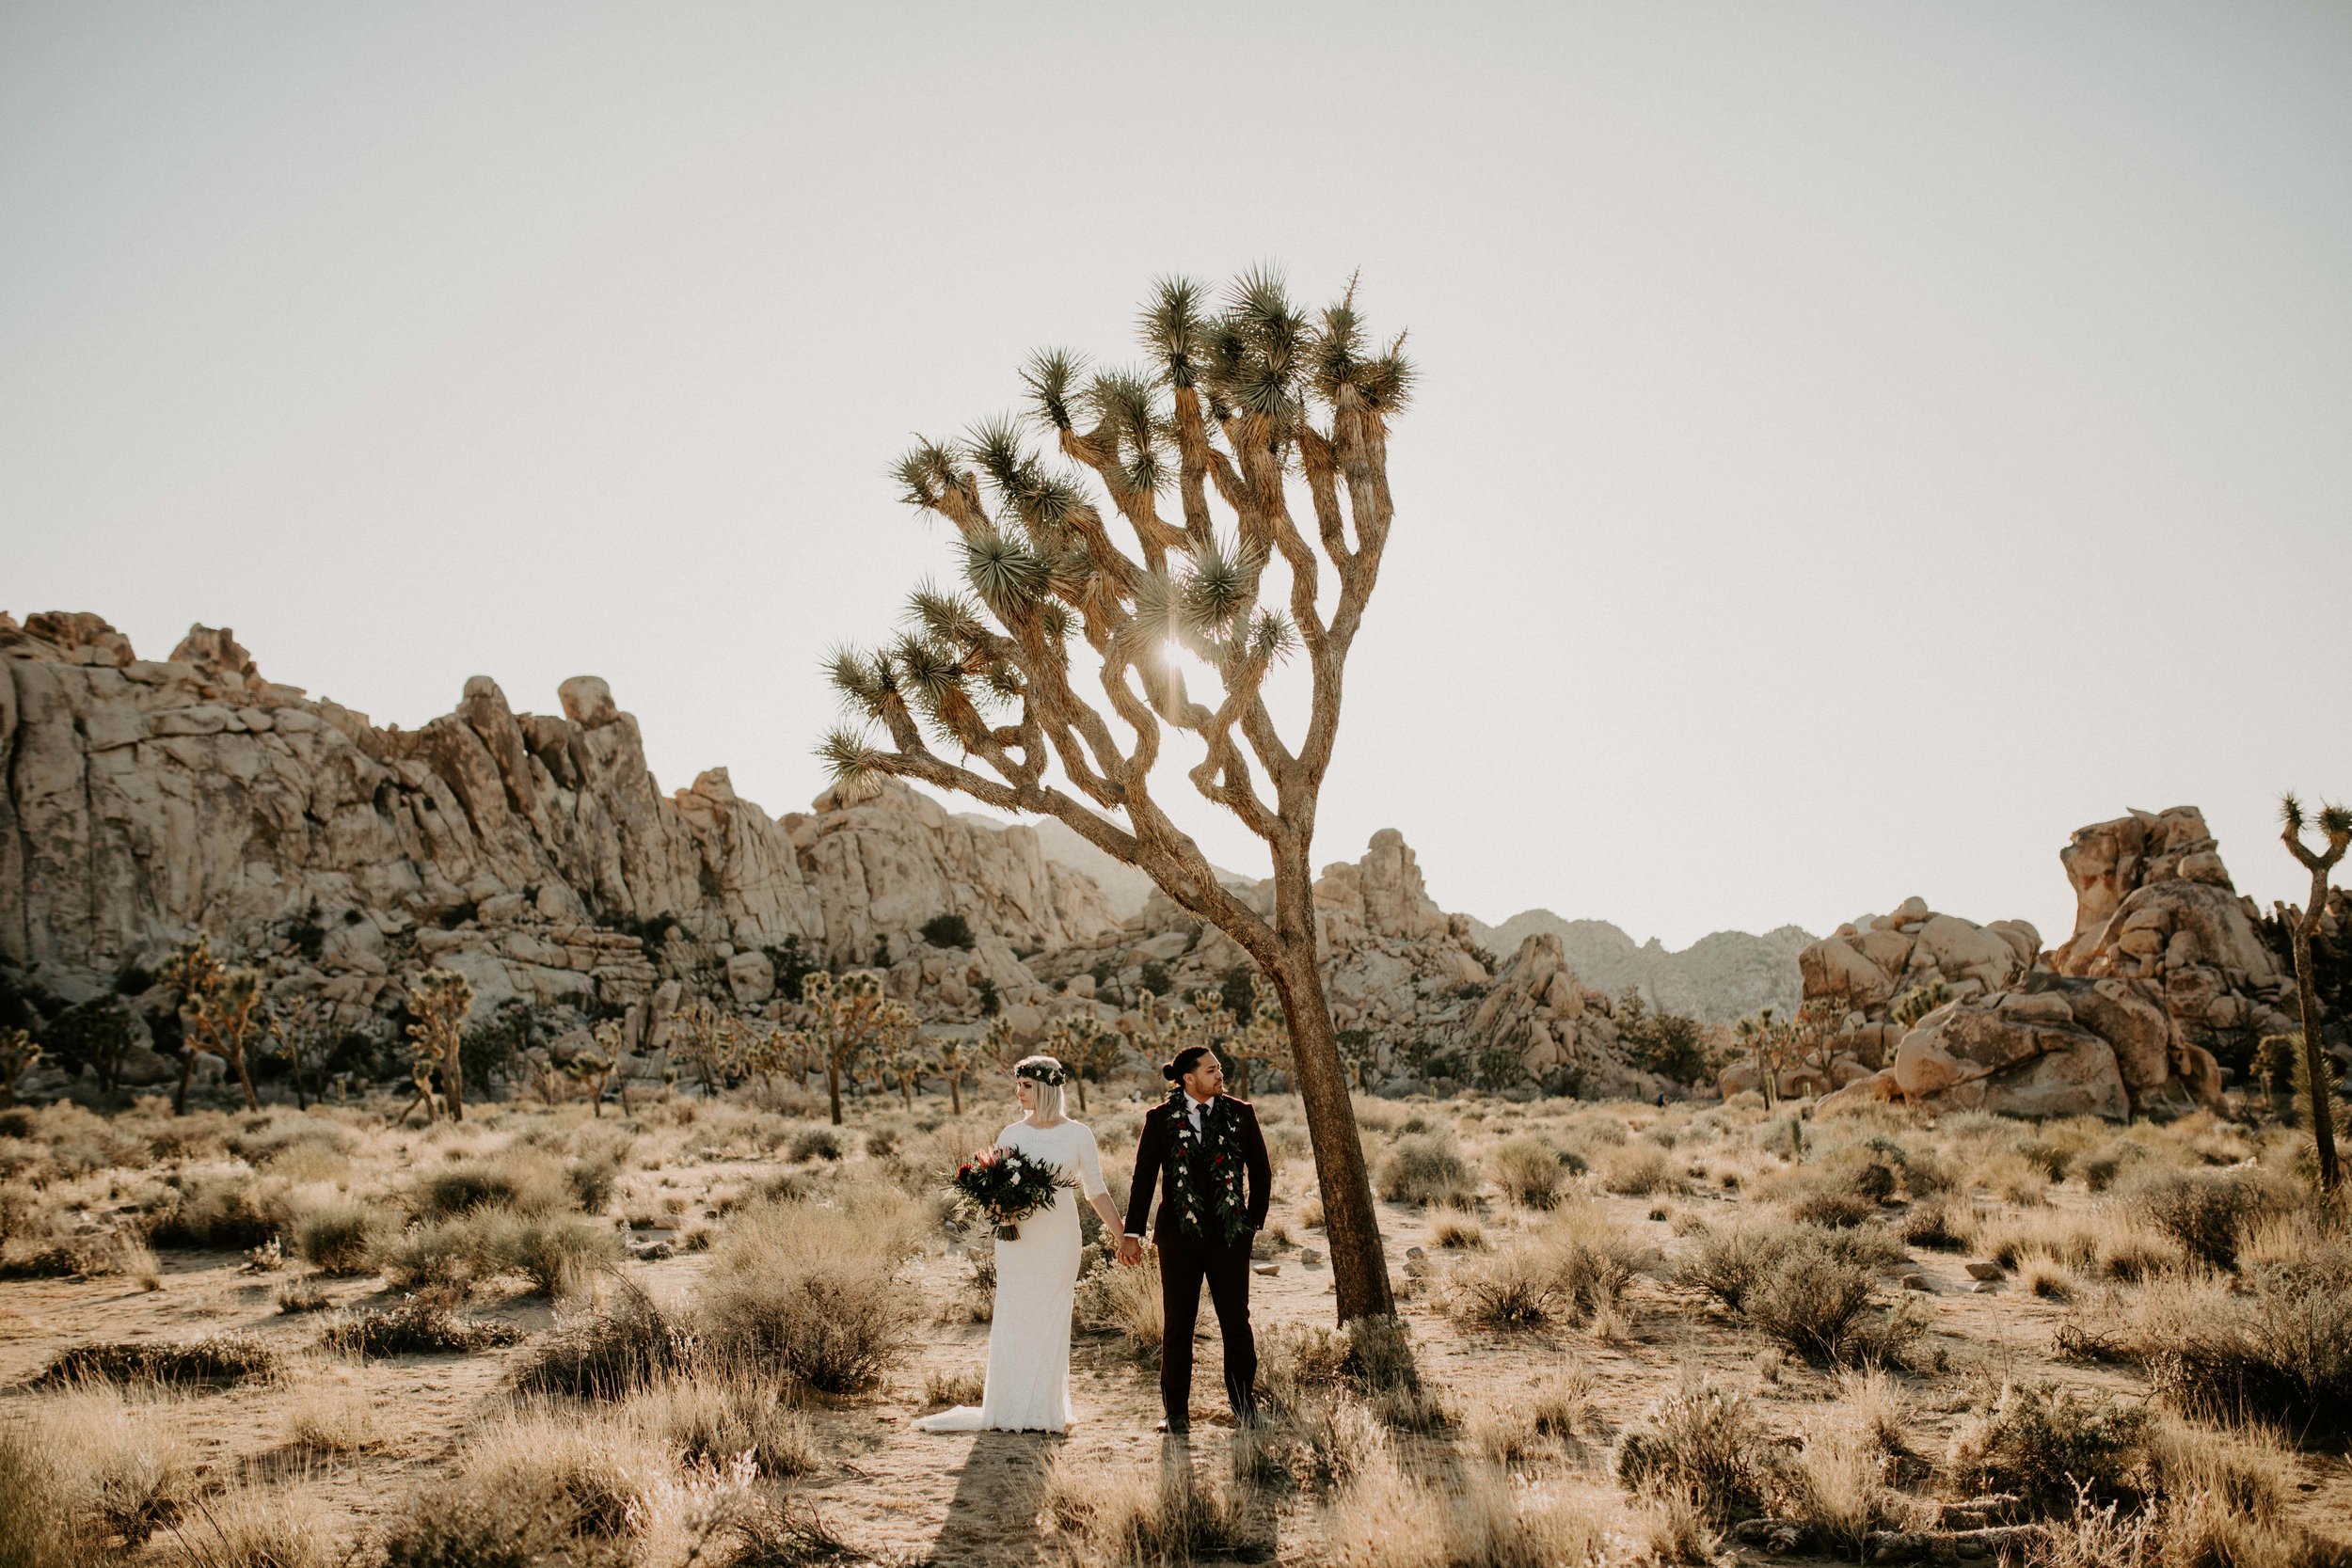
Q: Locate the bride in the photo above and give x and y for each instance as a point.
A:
(1037, 1275)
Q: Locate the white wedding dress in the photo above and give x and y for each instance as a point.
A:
(1036, 1277)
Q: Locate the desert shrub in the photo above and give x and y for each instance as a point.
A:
(1549, 1408)
(1840, 1485)
(2204, 1212)
(1932, 1225)
(1638, 1170)
(1459, 1233)
(948, 930)
(520, 1179)
(1571, 1268)
(215, 1358)
(2050, 1445)
(712, 1419)
(1809, 1289)
(287, 1136)
(1425, 1168)
(223, 1210)
(1705, 1442)
(1475, 1516)
(39, 1526)
(1528, 1170)
(1833, 1210)
(2281, 1351)
(816, 1142)
(557, 1253)
(813, 1292)
(627, 1343)
(415, 1328)
(341, 1236)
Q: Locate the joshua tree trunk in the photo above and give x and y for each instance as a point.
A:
(1082, 1091)
(187, 1070)
(2335, 826)
(954, 1092)
(1360, 1269)
(832, 1089)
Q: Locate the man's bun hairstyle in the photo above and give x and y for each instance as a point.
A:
(1183, 1062)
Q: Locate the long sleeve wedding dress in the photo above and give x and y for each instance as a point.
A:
(1037, 1278)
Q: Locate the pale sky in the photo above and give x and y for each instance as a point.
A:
(1855, 445)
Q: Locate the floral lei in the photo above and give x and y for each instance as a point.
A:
(1213, 1162)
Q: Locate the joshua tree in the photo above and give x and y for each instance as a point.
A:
(590, 1071)
(193, 972)
(1235, 400)
(99, 1032)
(952, 1059)
(2335, 825)
(853, 1019)
(1092, 1051)
(439, 998)
(1920, 1002)
(1760, 1038)
(18, 1053)
(300, 1032)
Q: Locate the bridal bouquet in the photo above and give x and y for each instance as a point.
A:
(1008, 1186)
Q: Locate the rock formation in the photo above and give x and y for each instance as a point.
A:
(148, 800)
(2165, 965)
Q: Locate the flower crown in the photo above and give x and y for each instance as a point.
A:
(1052, 1074)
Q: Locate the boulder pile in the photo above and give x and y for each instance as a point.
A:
(2165, 966)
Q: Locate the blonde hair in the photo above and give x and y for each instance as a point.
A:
(1049, 1096)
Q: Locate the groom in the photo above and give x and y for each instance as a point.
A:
(1202, 1147)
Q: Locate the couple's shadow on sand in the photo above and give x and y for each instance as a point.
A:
(994, 1516)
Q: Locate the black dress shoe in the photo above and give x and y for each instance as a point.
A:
(1174, 1428)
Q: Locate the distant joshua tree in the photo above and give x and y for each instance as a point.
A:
(2335, 826)
(1238, 400)
(18, 1051)
(853, 1021)
(438, 999)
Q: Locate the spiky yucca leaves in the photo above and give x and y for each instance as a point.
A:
(2334, 823)
(1090, 550)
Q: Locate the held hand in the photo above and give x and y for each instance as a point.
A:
(1129, 1251)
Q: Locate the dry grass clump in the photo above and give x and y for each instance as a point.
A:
(331, 1416)
(811, 1292)
(1427, 1169)
(1459, 1233)
(520, 1179)
(414, 1328)
(557, 1253)
(1528, 1171)
(535, 1486)
(39, 1524)
(1578, 1265)
(1124, 1301)
(1166, 1520)
(2049, 1445)
(2205, 1212)
(1539, 1415)
(1638, 1170)
(341, 1237)
(1937, 1225)
(714, 1417)
(1841, 1483)
(1473, 1517)
(223, 1210)
(629, 1342)
(2280, 1351)
(113, 1466)
(1705, 1443)
(256, 1527)
(211, 1360)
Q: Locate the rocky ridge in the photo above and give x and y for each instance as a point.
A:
(1719, 978)
(152, 800)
